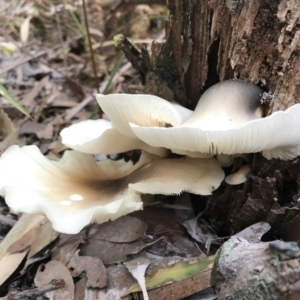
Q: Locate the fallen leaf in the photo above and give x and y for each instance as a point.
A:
(93, 267)
(10, 261)
(119, 280)
(8, 132)
(23, 243)
(55, 270)
(202, 232)
(160, 274)
(80, 289)
(123, 230)
(67, 246)
(111, 253)
(166, 223)
(46, 133)
(12, 100)
(29, 98)
(137, 267)
(44, 235)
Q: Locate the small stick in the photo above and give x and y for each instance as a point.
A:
(33, 293)
(90, 44)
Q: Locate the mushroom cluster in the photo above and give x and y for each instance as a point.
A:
(77, 189)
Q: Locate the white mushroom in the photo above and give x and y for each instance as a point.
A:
(225, 160)
(277, 135)
(238, 177)
(226, 105)
(192, 154)
(144, 110)
(98, 136)
(77, 190)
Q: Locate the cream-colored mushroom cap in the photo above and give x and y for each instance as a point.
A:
(277, 136)
(99, 137)
(77, 190)
(71, 192)
(226, 105)
(239, 176)
(144, 110)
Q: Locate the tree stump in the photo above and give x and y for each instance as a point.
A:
(252, 40)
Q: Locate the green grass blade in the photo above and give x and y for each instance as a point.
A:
(77, 22)
(107, 87)
(12, 100)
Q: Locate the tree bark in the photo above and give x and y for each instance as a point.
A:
(256, 41)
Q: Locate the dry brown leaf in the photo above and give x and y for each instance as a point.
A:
(36, 239)
(80, 289)
(23, 243)
(29, 99)
(119, 281)
(7, 131)
(67, 246)
(166, 223)
(10, 261)
(111, 253)
(47, 132)
(70, 113)
(44, 235)
(137, 267)
(32, 127)
(84, 293)
(123, 230)
(55, 270)
(93, 267)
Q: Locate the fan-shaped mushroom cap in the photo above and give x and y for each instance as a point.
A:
(174, 176)
(76, 190)
(71, 192)
(226, 105)
(192, 154)
(144, 110)
(98, 136)
(277, 136)
(225, 160)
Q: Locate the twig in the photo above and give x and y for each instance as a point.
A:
(90, 44)
(139, 60)
(29, 58)
(33, 293)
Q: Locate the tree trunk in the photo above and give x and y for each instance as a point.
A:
(256, 41)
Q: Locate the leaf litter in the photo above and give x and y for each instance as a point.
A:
(47, 71)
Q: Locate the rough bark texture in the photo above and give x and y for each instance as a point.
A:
(256, 41)
(274, 271)
(213, 40)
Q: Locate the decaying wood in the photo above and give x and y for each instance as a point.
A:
(256, 41)
(182, 289)
(209, 41)
(249, 271)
